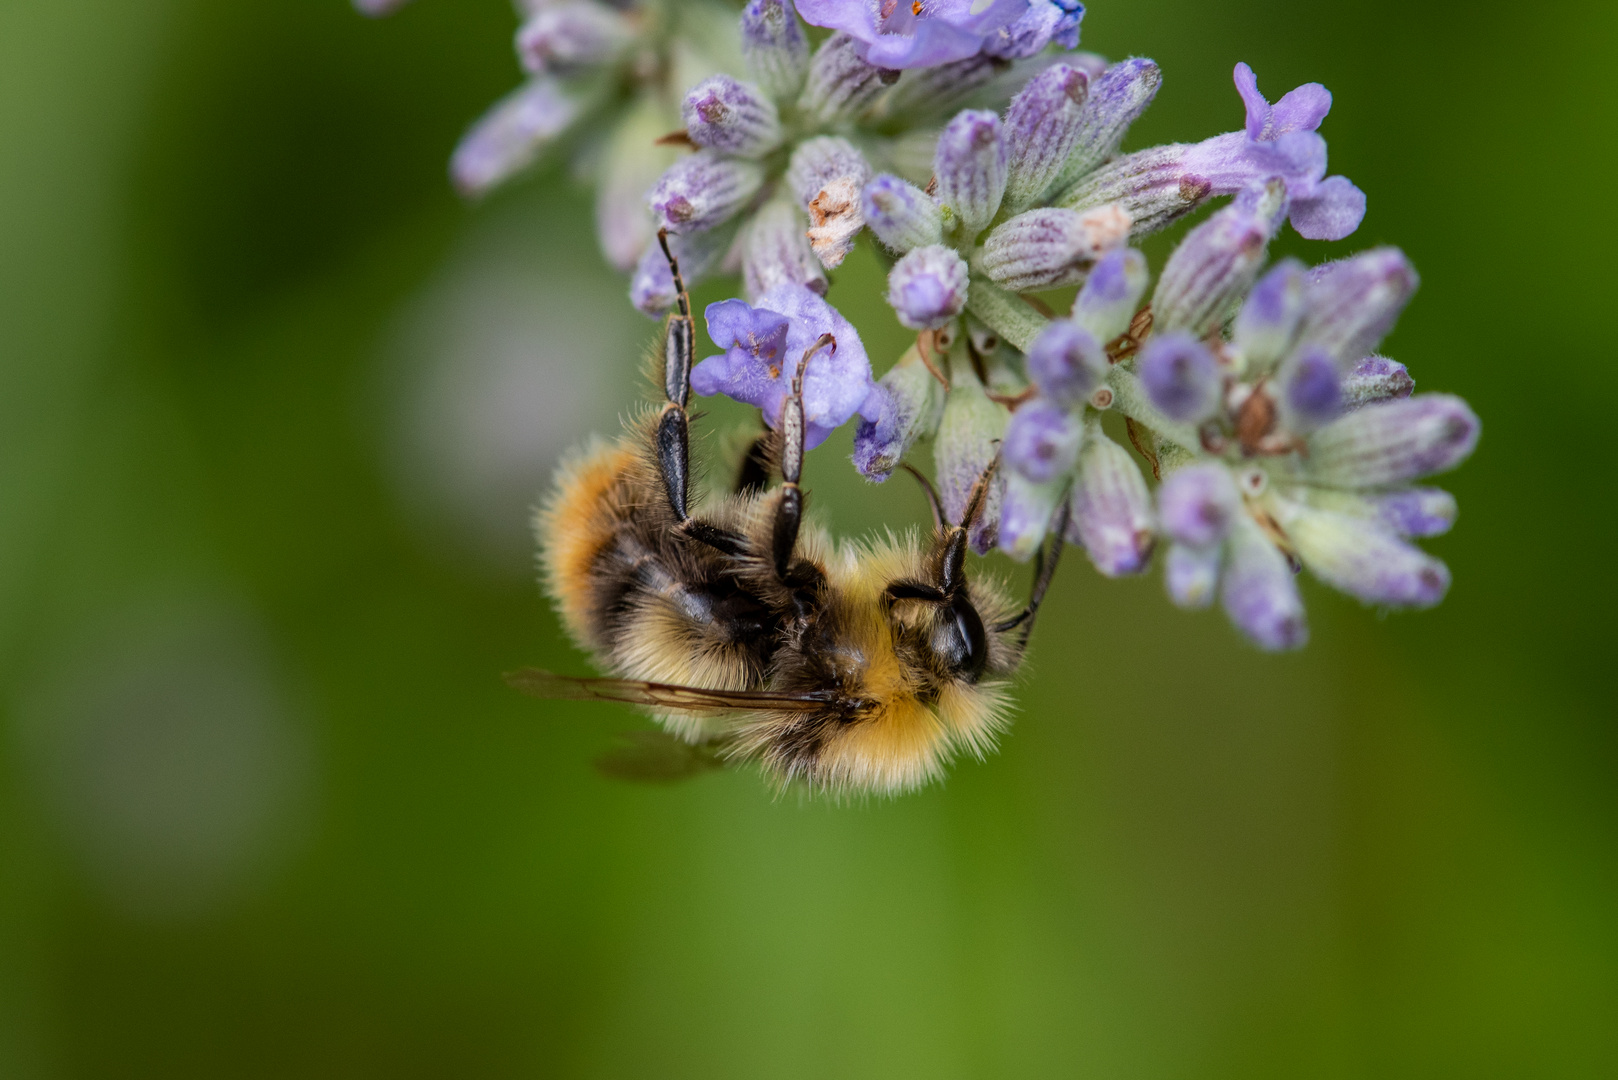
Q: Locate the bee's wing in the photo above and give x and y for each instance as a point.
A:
(655, 757)
(693, 699)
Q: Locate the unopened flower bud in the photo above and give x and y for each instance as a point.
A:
(1259, 591)
(703, 190)
(1042, 22)
(901, 214)
(1391, 442)
(510, 136)
(1042, 125)
(1311, 391)
(1192, 574)
(1042, 441)
(1198, 503)
(1217, 261)
(1111, 293)
(927, 288)
(835, 220)
(775, 46)
(911, 405)
(967, 438)
(651, 286)
(1152, 186)
(1376, 378)
(1268, 321)
(819, 161)
(1116, 100)
(1047, 247)
(1181, 377)
(731, 117)
(1418, 511)
(1361, 558)
(1111, 508)
(572, 35)
(1067, 363)
(1026, 513)
(776, 251)
(841, 83)
(1352, 304)
(970, 166)
(940, 90)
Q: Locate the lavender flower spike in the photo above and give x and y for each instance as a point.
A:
(1364, 560)
(1042, 126)
(775, 47)
(1259, 592)
(901, 215)
(703, 190)
(905, 35)
(1111, 293)
(1112, 510)
(970, 165)
(731, 117)
(1044, 248)
(762, 348)
(511, 135)
(1181, 377)
(1393, 441)
(1217, 261)
(927, 288)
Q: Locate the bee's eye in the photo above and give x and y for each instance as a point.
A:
(959, 639)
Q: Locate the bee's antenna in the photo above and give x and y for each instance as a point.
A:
(684, 300)
(927, 489)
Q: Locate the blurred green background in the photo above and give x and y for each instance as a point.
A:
(272, 404)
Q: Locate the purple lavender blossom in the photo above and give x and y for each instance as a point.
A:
(1352, 304)
(651, 286)
(1217, 261)
(970, 165)
(1259, 592)
(1111, 293)
(1042, 126)
(968, 435)
(901, 215)
(1312, 393)
(1045, 21)
(1117, 98)
(731, 117)
(1067, 363)
(1181, 377)
(1417, 511)
(1198, 503)
(1359, 557)
(895, 34)
(927, 288)
(568, 37)
(703, 190)
(776, 252)
(776, 49)
(763, 346)
(1111, 509)
(910, 404)
(841, 83)
(1376, 378)
(1026, 512)
(1192, 574)
(1268, 321)
(511, 135)
(1042, 441)
(1391, 442)
(1049, 246)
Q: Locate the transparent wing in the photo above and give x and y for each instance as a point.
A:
(655, 757)
(693, 699)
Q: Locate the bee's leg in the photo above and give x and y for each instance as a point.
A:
(789, 507)
(1044, 570)
(673, 437)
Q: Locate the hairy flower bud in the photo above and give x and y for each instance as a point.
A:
(1151, 185)
(1311, 390)
(1111, 508)
(1116, 100)
(775, 46)
(927, 288)
(1414, 511)
(1026, 512)
(1351, 305)
(970, 166)
(703, 190)
(841, 83)
(1067, 363)
(734, 118)
(1042, 125)
(1259, 592)
(819, 161)
(1181, 377)
(911, 404)
(1111, 293)
(651, 286)
(1217, 261)
(901, 215)
(510, 136)
(1047, 247)
(1376, 378)
(1042, 441)
(1268, 322)
(571, 36)
(777, 251)
(967, 437)
(1391, 442)
(1366, 561)
(1192, 574)
(1198, 503)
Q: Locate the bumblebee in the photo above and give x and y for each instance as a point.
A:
(748, 633)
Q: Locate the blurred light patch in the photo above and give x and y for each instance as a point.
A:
(164, 747)
(506, 359)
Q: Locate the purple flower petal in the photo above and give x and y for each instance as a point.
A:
(1334, 210)
(895, 35)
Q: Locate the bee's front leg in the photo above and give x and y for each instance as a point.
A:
(789, 505)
